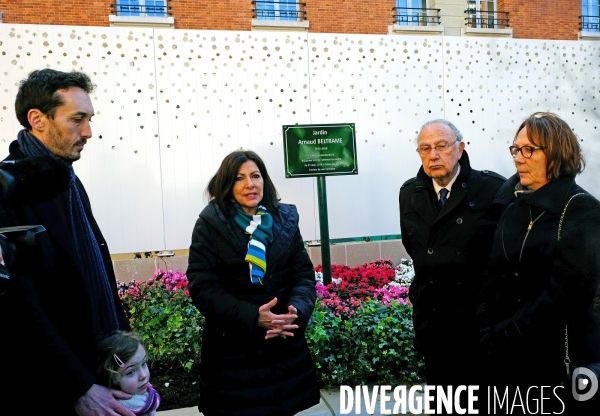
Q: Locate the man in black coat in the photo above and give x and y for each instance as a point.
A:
(447, 221)
(63, 296)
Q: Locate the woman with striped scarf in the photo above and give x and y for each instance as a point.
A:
(251, 278)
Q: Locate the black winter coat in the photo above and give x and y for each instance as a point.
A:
(241, 373)
(449, 248)
(538, 284)
(48, 343)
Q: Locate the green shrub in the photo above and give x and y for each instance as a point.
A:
(161, 311)
(374, 346)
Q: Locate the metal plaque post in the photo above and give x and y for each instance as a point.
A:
(319, 150)
(324, 223)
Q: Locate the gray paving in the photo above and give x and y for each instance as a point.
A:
(328, 406)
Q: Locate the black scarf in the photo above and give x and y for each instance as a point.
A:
(88, 256)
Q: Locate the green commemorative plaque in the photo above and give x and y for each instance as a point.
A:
(319, 150)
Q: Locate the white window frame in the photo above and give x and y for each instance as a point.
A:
(480, 14)
(141, 19)
(412, 4)
(590, 9)
(280, 10)
(142, 3)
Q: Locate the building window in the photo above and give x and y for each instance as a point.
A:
(483, 14)
(408, 12)
(142, 8)
(590, 16)
(279, 10)
(415, 13)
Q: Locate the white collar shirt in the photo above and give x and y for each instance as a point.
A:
(448, 187)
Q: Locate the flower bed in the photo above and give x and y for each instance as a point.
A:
(351, 287)
(360, 332)
(161, 311)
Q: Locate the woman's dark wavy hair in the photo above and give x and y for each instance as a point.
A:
(39, 90)
(220, 187)
(559, 143)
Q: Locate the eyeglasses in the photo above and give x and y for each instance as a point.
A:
(440, 147)
(526, 151)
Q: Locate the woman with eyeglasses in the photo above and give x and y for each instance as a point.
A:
(544, 270)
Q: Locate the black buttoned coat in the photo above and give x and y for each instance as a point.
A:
(538, 284)
(48, 342)
(241, 372)
(449, 248)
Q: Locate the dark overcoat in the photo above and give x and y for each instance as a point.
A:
(539, 284)
(449, 248)
(48, 343)
(242, 373)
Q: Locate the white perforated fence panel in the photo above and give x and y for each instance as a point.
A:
(580, 103)
(120, 165)
(221, 91)
(388, 86)
(170, 104)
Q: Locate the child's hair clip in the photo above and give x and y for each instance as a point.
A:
(119, 362)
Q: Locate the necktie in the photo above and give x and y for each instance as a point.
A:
(443, 197)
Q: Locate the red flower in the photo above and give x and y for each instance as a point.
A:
(367, 281)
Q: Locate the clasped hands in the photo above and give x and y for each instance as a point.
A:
(277, 325)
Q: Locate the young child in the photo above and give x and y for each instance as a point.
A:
(122, 365)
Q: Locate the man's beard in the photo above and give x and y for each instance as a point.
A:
(61, 147)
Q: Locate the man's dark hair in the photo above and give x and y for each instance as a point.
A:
(220, 186)
(39, 90)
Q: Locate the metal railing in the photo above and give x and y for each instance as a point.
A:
(589, 23)
(416, 16)
(485, 19)
(141, 10)
(278, 10)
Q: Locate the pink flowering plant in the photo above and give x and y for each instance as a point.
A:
(351, 287)
(161, 311)
(359, 333)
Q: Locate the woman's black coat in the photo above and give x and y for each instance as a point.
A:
(241, 373)
(541, 284)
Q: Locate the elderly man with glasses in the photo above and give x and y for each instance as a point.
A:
(447, 220)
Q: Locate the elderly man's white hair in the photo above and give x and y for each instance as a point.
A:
(456, 132)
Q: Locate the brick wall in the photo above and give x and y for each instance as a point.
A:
(64, 12)
(325, 16)
(350, 16)
(501, 7)
(212, 14)
(556, 19)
